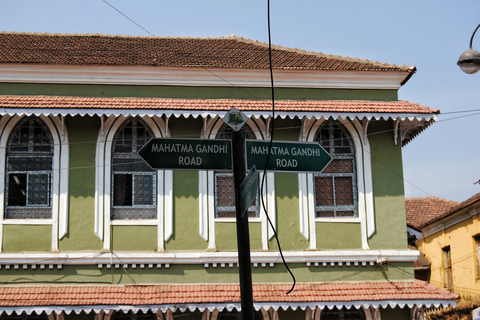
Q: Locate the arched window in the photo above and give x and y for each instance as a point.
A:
(29, 168)
(224, 188)
(134, 182)
(336, 186)
(342, 314)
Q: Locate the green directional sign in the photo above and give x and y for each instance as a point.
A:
(287, 156)
(248, 190)
(188, 154)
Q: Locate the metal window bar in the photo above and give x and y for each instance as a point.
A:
(134, 183)
(341, 174)
(29, 167)
(225, 197)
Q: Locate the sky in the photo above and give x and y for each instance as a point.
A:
(443, 161)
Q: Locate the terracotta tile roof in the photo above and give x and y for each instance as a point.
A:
(223, 52)
(350, 106)
(423, 209)
(453, 209)
(219, 293)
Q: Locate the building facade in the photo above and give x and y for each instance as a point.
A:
(89, 230)
(451, 242)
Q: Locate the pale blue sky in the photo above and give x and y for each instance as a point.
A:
(443, 161)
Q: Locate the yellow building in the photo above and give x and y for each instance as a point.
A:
(451, 242)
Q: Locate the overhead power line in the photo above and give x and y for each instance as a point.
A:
(123, 14)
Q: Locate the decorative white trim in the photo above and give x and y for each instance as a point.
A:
(269, 201)
(366, 215)
(168, 198)
(311, 212)
(203, 204)
(59, 220)
(64, 176)
(303, 205)
(102, 219)
(207, 184)
(324, 258)
(160, 211)
(218, 307)
(246, 77)
(416, 120)
(211, 209)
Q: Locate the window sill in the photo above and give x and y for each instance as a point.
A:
(337, 220)
(149, 222)
(28, 221)
(233, 220)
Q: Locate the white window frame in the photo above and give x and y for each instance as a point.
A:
(366, 213)
(207, 189)
(60, 169)
(103, 184)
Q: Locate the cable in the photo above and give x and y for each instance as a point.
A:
(138, 25)
(270, 147)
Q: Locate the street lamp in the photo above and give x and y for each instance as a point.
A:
(469, 61)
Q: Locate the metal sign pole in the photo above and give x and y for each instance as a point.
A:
(243, 235)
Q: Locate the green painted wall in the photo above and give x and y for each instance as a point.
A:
(388, 188)
(82, 134)
(339, 235)
(192, 274)
(185, 128)
(185, 213)
(226, 236)
(18, 238)
(194, 92)
(287, 129)
(134, 238)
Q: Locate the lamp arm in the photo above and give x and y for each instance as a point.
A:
(471, 39)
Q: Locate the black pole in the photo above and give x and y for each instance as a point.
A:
(243, 235)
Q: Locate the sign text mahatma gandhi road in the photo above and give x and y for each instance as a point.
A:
(193, 154)
(287, 156)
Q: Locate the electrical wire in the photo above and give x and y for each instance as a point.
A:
(270, 147)
(138, 25)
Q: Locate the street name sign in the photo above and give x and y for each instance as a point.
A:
(287, 156)
(187, 154)
(248, 190)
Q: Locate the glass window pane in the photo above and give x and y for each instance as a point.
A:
(38, 189)
(225, 191)
(324, 191)
(143, 193)
(335, 187)
(122, 190)
(29, 166)
(343, 191)
(17, 190)
(134, 182)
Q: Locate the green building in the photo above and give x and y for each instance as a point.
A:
(88, 230)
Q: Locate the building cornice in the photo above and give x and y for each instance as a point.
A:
(357, 258)
(175, 76)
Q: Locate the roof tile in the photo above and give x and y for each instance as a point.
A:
(222, 52)
(351, 106)
(219, 293)
(423, 209)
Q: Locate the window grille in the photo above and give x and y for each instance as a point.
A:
(335, 187)
(224, 186)
(134, 182)
(29, 166)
